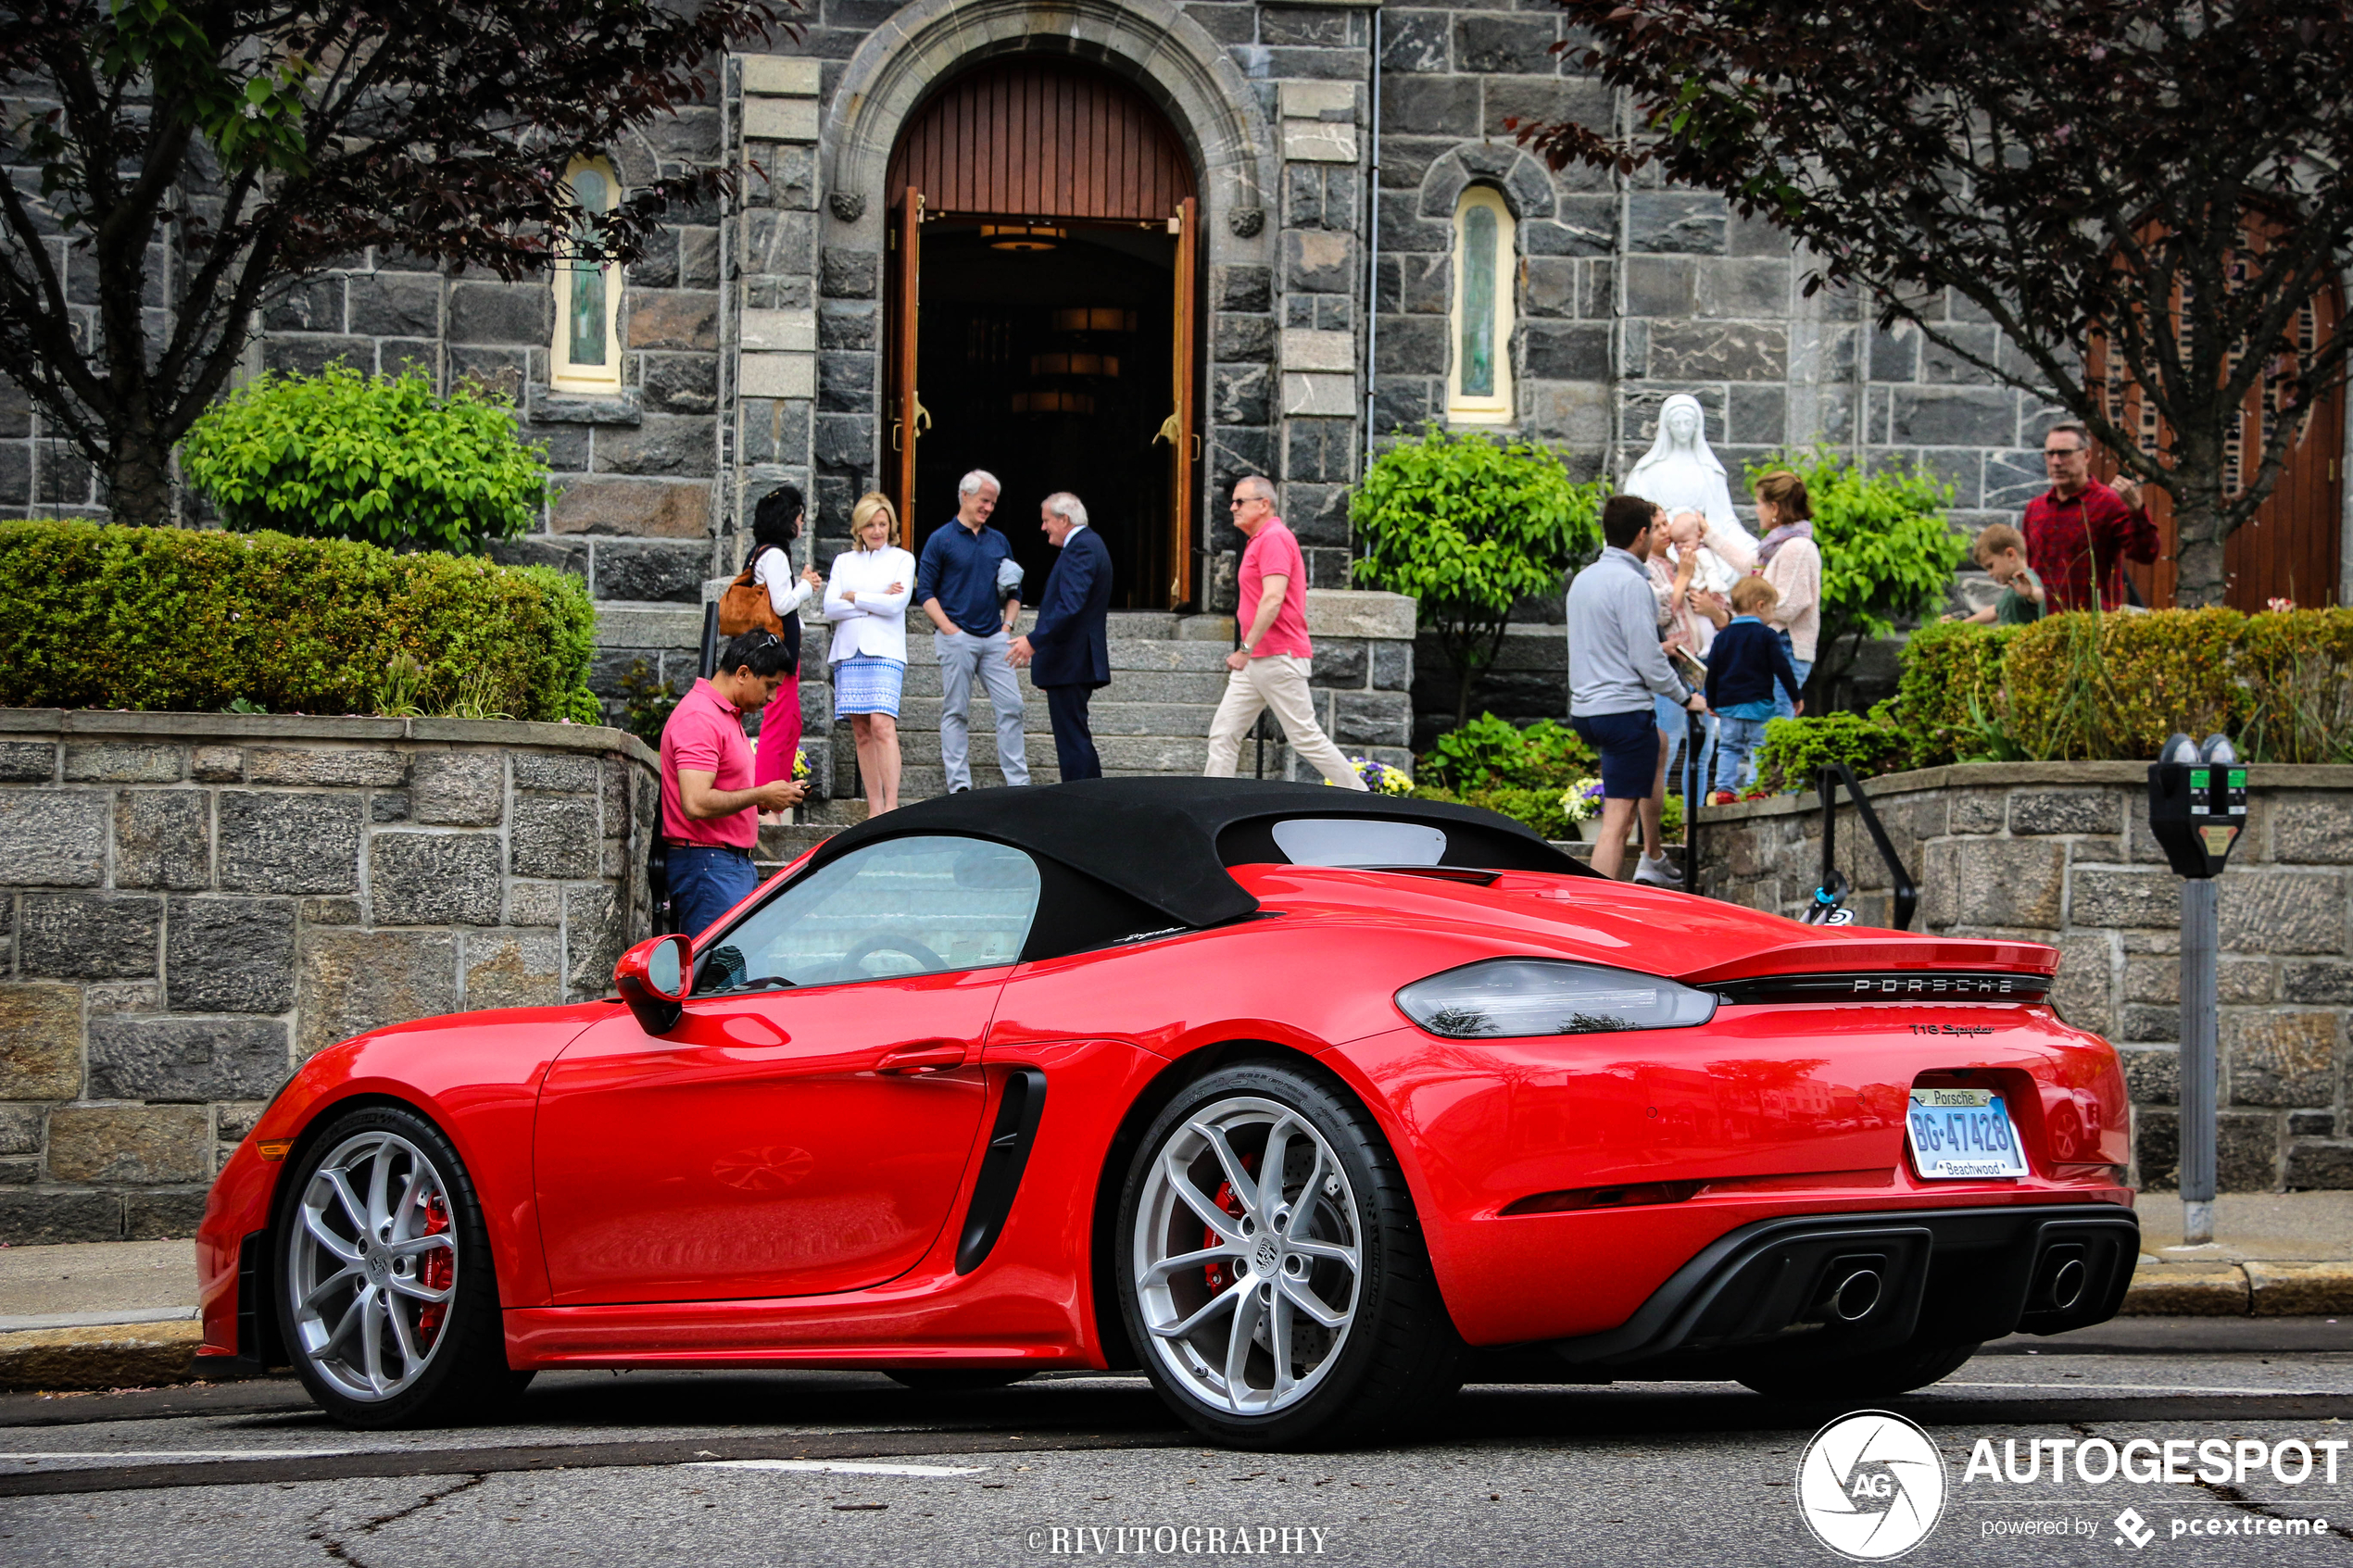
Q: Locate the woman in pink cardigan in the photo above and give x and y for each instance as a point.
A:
(1790, 561)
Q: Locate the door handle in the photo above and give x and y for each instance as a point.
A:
(920, 1056)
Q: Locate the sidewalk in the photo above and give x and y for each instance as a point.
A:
(2274, 1255)
(106, 1314)
(114, 1314)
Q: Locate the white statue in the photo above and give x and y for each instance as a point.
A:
(1679, 472)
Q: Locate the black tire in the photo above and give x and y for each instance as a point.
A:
(953, 1379)
(461, 1372)
(1876, 1376)
(1398, 1352)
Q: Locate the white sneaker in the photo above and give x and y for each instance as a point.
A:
(1659, 873)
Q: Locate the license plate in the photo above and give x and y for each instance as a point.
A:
(1957, 1135)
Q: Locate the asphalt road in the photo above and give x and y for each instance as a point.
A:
(716, 1470)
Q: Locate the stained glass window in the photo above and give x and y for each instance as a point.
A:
(1479, 380)
(1478, 302)
(587, 295)
(587, 322)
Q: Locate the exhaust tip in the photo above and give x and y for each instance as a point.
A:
(2067, 1283)
(1852, 1298)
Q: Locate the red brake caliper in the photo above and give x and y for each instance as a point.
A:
(1220, 1275)
(440, 1268)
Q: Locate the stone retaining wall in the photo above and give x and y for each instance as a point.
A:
(191, 903)
(2061, 853)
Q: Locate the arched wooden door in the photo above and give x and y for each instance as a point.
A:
(1037, 143)
(2290, 548)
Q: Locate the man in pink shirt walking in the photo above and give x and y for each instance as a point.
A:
(1270, 668)
(709, 805)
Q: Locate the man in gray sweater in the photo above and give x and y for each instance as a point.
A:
(1615, 666)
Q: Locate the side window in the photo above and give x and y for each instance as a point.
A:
(907, 906)
(1478, 384)
(587, 353)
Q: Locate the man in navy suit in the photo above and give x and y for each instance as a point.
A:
(1069, 648)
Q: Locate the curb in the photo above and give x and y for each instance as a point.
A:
(2239, 1290)
(146, 1355)
(108, 1356)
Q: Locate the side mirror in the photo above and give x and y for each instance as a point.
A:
(653, 978)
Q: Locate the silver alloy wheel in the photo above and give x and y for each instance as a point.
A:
(1247, 1260)
(371, 1266)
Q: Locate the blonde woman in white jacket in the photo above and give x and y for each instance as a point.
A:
(866, 600)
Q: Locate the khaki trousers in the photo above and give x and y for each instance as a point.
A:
(1279, 682)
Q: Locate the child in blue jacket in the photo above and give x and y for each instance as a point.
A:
(1741, 666)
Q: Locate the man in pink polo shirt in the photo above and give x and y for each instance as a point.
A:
(709, 805)
(1270, 667)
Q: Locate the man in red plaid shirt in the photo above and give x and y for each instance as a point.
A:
(2080, 526)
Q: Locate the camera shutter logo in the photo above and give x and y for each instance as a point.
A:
(1870, 1486)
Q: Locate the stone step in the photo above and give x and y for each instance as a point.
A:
(1125, 653)
(790, 841)
(1149, 754)
(917, 714)
(1126, 685)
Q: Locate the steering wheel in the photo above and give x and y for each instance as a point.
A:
(886, 943)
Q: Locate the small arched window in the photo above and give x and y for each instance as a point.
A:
(586, 354)
(1478, 388)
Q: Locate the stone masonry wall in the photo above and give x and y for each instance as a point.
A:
(190, 904)
(2062, 853)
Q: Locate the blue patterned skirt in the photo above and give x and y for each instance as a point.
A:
(868, 684)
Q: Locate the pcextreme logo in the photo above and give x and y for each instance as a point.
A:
(1870, 1486)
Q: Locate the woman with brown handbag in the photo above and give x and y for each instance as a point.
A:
(768, 595)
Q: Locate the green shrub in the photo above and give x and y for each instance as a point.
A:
(1469, 528)
(2299, 671)
(1491, 753)
(97, 616)
(341, 455)
(1888, 554)
(1540, 809)
(2085, 686)
(1951, 681)
(1795, 750)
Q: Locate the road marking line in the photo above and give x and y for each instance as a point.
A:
(835, 1467)
(2146, 1388)
(199, 1453)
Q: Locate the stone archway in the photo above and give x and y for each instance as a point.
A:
(1165, 53)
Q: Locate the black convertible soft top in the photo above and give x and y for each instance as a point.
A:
(1167, 842)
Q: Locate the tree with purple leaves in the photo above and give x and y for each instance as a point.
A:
(173, 166)
(2152, 201)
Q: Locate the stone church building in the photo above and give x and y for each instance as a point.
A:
(1136, 250)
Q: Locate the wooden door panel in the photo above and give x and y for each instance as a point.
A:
(904, 410)
(1042, 138)
(1184, 448)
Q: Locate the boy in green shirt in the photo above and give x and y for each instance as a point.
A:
(2002, 552)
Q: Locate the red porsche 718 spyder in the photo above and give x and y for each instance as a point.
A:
(1299, 1100)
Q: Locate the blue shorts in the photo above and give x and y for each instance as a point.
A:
(1628, 745)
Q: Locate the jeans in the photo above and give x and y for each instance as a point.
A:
(705, 883)
(961, 657)
(1801, 668)
(1675, 719)
(1278, 681)
(1736, 751)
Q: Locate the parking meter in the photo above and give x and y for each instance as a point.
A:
(2197, 805)
(2198, 808)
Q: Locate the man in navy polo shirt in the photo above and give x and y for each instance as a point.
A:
(969, 584)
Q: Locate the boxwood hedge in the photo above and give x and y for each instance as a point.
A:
(94, 615)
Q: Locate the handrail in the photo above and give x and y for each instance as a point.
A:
(1908, 896)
